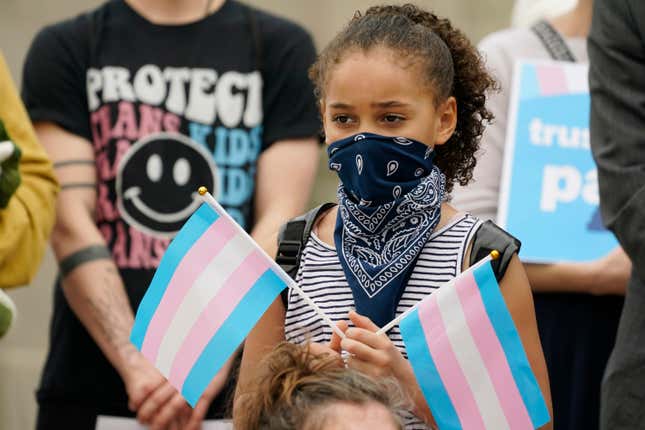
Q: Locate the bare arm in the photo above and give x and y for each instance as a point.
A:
(100, 301)
(267, 333)
(94, 290)
(517, 295)
(559, 277)
(286, 173)
(607, 275)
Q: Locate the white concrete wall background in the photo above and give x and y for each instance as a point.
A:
(22, 352)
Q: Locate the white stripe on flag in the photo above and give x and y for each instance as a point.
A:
(470, 360)
(200, 294)
(577, 79)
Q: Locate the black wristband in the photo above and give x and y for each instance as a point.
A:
(85, 255)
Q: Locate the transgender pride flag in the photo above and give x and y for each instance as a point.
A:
(211, 287)
(468, 358)
(562, 78)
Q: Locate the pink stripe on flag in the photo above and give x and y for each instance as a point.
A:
(214, 315)
(191, 266)
(444, 358)
(552, 80)
(491, 352)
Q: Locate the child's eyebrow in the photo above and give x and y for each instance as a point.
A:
(382, 105)
(340, 105)
(390, 104)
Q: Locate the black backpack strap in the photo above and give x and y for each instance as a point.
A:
(292, 238)
(490, 237)
(553, 41)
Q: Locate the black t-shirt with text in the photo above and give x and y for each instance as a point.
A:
(167, 109)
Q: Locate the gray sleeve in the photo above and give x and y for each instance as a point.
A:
(617, 84)
(480, 197)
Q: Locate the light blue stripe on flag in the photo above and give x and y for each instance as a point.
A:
(505, 329)
(426, 373)
(231, 334)
(196, 225)
(529, 84)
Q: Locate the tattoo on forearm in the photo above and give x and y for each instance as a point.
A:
(66, 163)
(83, 256)
(112, 311)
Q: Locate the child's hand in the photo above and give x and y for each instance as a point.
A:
(333, 347)
(377, 356)
(334, 342)
(610, 273)
(372, 354)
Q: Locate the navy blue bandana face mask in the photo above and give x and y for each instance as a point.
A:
(389, 204)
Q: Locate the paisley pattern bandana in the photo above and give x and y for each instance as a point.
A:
(389, 204)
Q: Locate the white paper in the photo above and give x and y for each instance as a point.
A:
(104, 422)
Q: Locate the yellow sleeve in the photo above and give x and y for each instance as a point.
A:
(26, 222)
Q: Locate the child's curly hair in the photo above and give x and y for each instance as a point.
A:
(296, 390)
(451, 63)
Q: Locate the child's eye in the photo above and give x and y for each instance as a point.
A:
(342, 119)
(392, 118)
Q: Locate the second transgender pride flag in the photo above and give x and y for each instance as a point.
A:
(468, 357)
(212, 285)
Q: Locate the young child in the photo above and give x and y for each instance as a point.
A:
(297, 390)
(402, 98)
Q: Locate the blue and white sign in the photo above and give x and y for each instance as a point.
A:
(549, 196)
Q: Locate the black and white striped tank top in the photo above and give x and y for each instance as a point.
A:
(321, 277)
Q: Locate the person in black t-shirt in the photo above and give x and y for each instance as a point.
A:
(138, 103)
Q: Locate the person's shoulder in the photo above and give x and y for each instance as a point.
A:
(71, 33)
(278, 29)
(59, 33)
(502, 48)
(54, 72)
(73, 28)
(510, 40)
